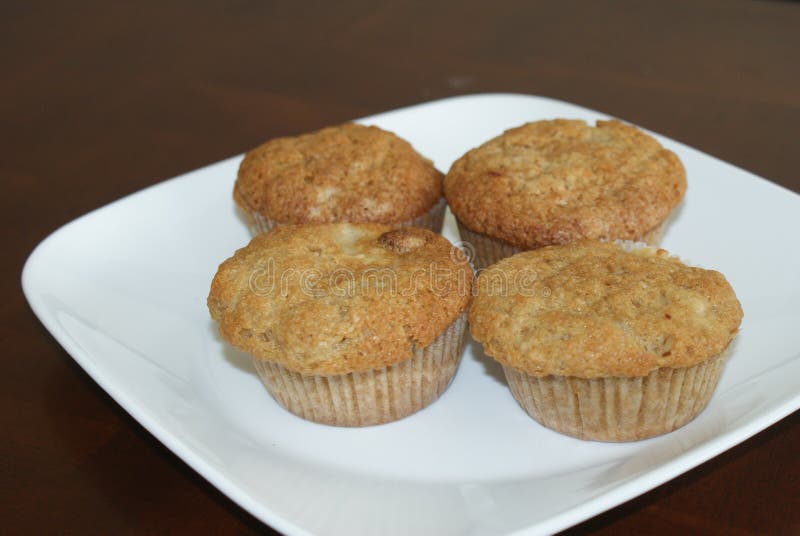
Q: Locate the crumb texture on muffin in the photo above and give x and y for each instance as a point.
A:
(552, 182)
(590, 309)
(348, 172)
(339, 298)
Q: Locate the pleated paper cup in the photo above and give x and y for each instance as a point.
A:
(433, 220)
(488, 250)
(485, 250)
(617, 408)
(374, 396)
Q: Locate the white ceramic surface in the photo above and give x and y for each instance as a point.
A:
(123, 289)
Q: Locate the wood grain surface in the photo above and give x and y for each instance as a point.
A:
(100, 99)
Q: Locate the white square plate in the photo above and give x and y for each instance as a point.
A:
(123, 289)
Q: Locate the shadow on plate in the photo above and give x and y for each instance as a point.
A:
(490, 366)
(237, 358)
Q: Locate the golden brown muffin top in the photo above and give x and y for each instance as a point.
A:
(552, 182)
(339, 298)
(348, 172)
(591, 309)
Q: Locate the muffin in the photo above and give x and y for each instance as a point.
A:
(345, 173)
(602, 343)
(553, 182)
(347, 324)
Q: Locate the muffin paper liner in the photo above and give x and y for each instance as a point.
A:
(488, 250)
(433, 220)
(653, 236)
(485, 250)
(617, 408)
(372, 396)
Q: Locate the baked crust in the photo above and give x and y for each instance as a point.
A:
(339, 298)
(552, 182)
(590, 309)
(348, 172)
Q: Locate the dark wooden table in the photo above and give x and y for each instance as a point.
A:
(100, 100)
